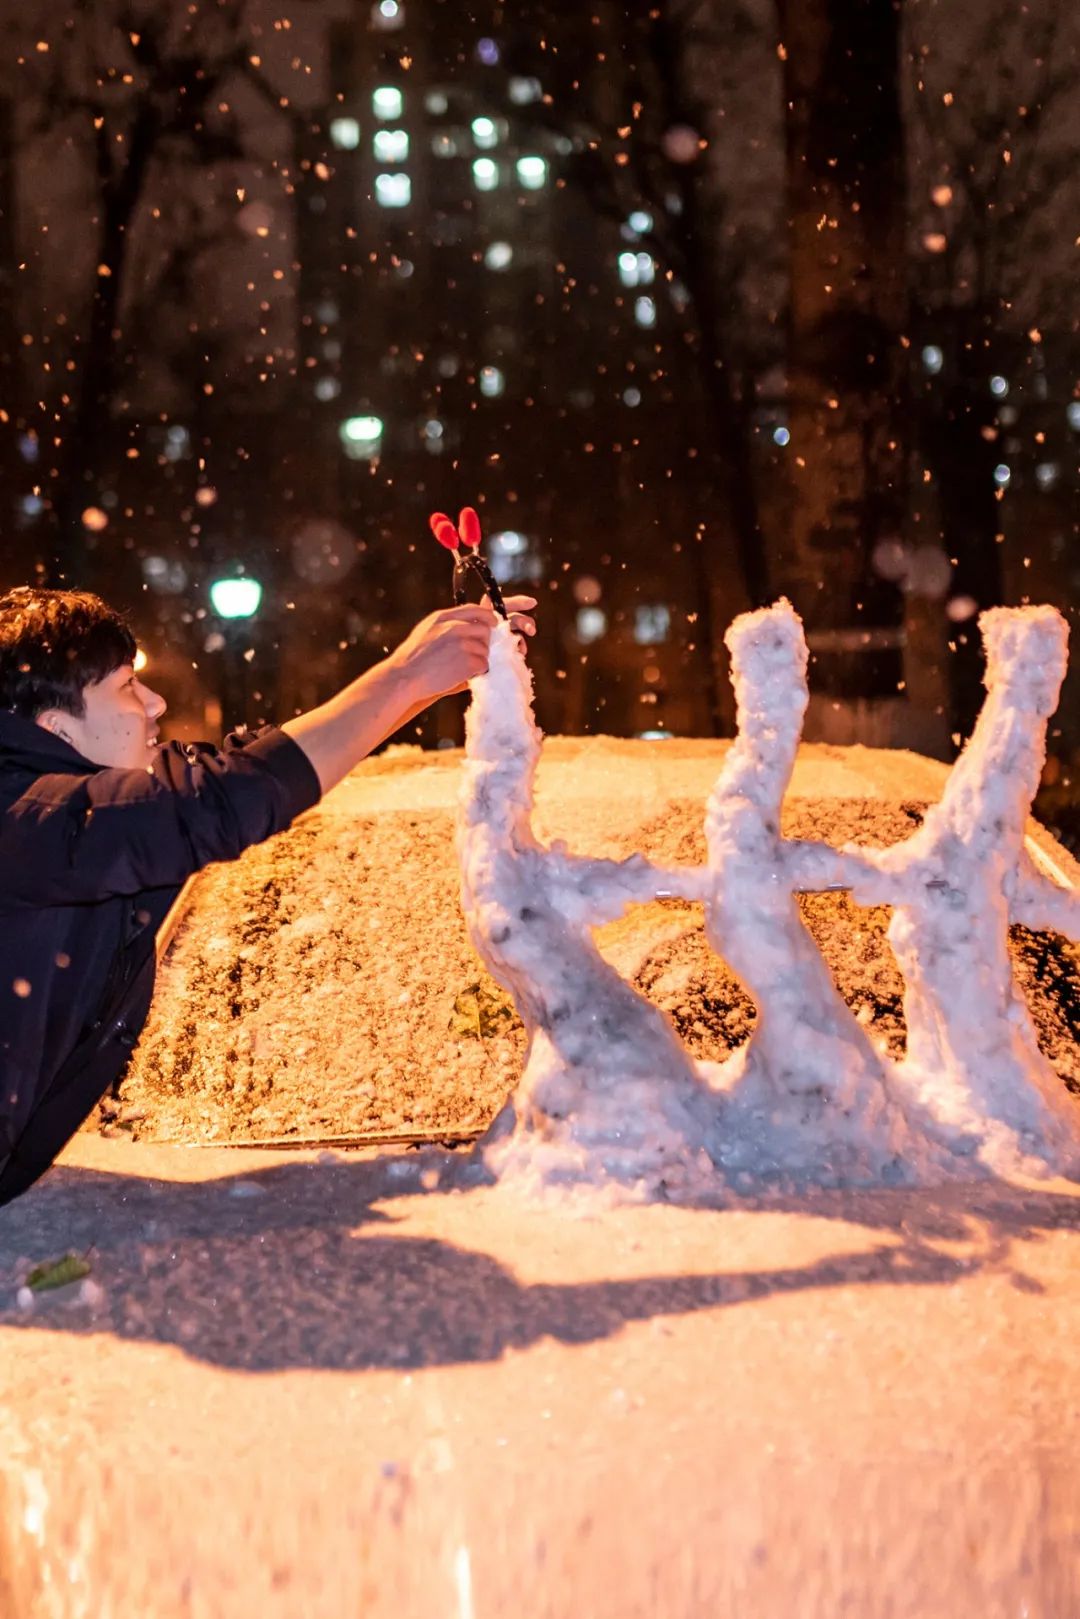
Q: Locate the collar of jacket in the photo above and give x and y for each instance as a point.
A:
(26, 743)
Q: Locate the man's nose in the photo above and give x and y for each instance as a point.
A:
(154, 703)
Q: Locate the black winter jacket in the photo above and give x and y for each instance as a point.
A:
(91, 859)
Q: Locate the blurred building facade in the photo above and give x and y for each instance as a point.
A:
(472, 334)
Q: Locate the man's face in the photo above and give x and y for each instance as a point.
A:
(119, 725)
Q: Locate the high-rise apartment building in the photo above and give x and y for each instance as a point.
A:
(474, 331)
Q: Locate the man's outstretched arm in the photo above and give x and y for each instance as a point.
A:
(78, 837)
(442, 654)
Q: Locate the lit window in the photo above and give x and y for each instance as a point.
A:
(327, 388)
(499, 256)
(485, 174)
(512, 557)
(781, 436)
(391, 145)
(361, 437)
(652, 624)
(393, 190)
(387, 102)
(437, 103)
(164, 575)
(387, 15)
(1001, 474)
(345, 133)
(492, 382)
(532, 172)
(177, 442)
(523, 92)
(636, 269)
(933, 359)
(591, 624)
(999, 387)
(645, 311)
(485, 133)
(487, 51)
(444, 144)
(588, 590)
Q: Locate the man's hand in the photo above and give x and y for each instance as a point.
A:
(441, 655)
(449, 648)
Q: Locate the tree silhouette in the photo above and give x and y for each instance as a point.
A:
(847, 366)
(145, 97)
(993, 264)
(643, 142)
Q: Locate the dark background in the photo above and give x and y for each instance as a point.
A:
(700, 303)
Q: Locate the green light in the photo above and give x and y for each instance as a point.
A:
(361, 437)
(235, 598)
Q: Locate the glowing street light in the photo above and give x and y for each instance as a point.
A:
(235, 598)
(361, 437)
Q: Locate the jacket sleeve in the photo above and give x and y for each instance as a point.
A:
(70, 840)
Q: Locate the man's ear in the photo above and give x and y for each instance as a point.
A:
(51, 719)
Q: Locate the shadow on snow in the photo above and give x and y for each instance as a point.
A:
(293, 1266)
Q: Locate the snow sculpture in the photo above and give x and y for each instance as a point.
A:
(957, 883)
(809, 1074)
(608, 1092)
(607, 1085)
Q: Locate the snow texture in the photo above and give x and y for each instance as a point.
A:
(955, 886)
(609, 1095)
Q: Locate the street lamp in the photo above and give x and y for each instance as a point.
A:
(361, 437)
(235, 598)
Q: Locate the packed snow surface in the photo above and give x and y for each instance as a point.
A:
(608, 1093)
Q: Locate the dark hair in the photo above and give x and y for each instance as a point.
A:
(55, 643)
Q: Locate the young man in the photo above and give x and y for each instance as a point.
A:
(100, 826)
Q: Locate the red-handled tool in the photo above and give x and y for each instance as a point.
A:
(468, 560)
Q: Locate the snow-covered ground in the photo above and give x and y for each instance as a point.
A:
(308, 1389)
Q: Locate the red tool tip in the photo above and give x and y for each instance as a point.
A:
(469, 528)
(444, 531)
